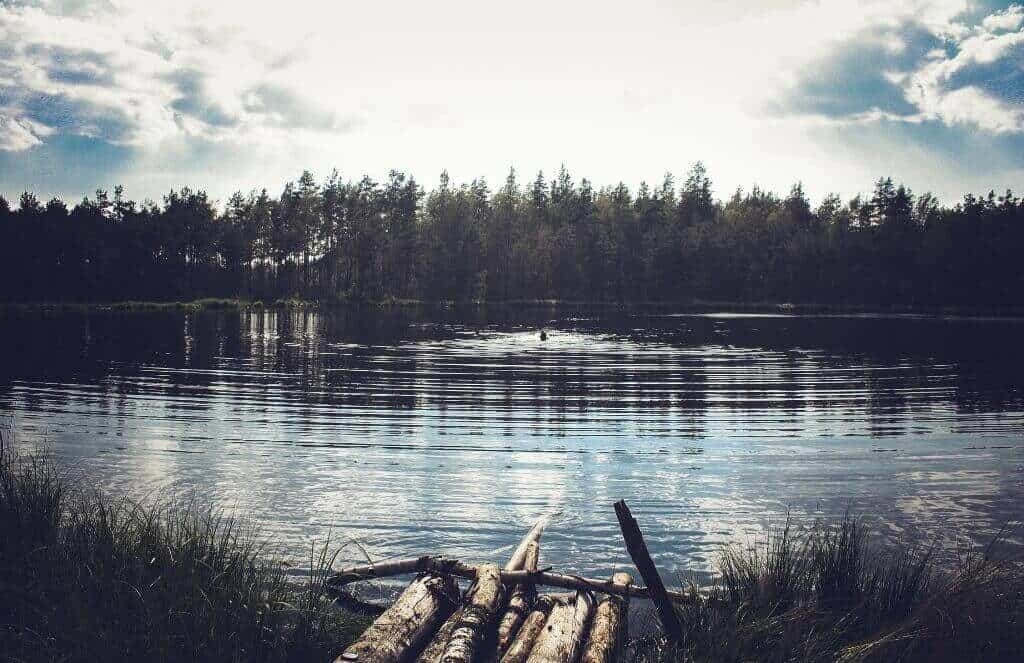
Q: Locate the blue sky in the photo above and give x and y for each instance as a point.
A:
(163, 94)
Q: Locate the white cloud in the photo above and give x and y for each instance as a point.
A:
(16, 135)
(1010, 19)
(139, 75)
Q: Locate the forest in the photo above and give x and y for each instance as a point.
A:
(362, 240)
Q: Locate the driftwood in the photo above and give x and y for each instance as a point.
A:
(608, 627)
(484, 601)
(453, 567)
(520, 555)
(645, 565)
(520, 648)
(518, 603)
(562, 637)
(407, 624)
(435, 649)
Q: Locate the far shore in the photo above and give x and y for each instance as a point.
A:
(681, 306)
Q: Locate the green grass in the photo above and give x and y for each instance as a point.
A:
(87, 577)
(828, 595)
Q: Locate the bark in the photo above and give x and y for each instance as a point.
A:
(407, 624)
(520, 648)
(562, 637)
(477, 615)
(435, 648)
(519, 603)
(609, 626)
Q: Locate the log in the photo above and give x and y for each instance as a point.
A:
(518, 603)
(454, 567)
(645, 565)
(519, 556)
(407, 624)
(562, 637)
(531, 629)
(609, 626)
(479, 613)
(435, 648)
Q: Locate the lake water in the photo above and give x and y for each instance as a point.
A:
(418, 432)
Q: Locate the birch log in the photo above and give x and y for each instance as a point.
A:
(562, 637)
(608, 627)
(518, 604)
(407, 624)
(480, 612)
(435, 648)
(519, 556)
(520, 648)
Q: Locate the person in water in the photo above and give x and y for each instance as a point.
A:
(543, 335)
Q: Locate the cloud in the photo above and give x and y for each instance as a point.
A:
(967, 69)
(140, 77)
(16, 135)
(283, 107)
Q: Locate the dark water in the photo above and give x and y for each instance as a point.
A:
(451, 432)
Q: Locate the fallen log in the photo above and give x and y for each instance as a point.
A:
(407, 624)
(562, 637)
(531, 629)
(434, 650)
(520, 555)
(645, 565)
(453, 567)
(608, 627)
(476, 615)
(518, 604)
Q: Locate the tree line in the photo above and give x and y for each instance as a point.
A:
(343, 240)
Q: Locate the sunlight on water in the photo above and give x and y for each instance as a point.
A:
(416, 433)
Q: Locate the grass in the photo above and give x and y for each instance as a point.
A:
(828, 595)
(85, 577)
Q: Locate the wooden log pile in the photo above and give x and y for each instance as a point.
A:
(501, 617)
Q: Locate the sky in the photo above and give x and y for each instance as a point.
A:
(235, 95)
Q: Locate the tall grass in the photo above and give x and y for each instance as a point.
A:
(828, 595)
(85, 577)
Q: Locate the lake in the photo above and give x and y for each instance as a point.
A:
(415, 431)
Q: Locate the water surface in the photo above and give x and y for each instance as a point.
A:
(451, 431)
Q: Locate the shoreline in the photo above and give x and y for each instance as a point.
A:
(696, 306)
(182, 582)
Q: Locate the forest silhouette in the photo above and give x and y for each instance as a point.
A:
(362, 240)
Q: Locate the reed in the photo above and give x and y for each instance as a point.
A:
(88, 577)
(828, 594)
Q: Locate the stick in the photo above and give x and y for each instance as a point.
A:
(453, 567)
(645, 565)
(406, 625)
(608, 627)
